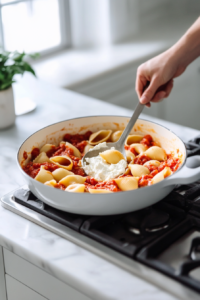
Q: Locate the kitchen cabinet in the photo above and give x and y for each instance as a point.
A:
(183, 104)
(29, 282)
(2, 277)
(14, 288)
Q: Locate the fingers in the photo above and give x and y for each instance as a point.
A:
(140, 83)
(163, 91)
(148, 94)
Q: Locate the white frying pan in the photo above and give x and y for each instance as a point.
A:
(111, 203)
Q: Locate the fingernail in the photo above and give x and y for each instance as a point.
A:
(143, 100)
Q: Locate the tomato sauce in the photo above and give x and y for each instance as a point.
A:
(131, 149)
(34, 153)
(141, 159)
(60, 186)
(109, 185)
(32, 169)
(147, 141)
(145, 180)
(77, 138)
(80, 141)
(25, 155)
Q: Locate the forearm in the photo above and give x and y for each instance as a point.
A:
(187, 49)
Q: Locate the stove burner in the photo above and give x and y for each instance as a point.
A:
(129, 232)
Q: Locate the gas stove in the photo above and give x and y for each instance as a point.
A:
(160, 243)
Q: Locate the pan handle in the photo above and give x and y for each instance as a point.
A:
(189, 173)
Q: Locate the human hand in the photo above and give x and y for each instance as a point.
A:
(154, 79)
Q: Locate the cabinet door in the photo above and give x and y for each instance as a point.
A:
(183, 105)
(16, 290)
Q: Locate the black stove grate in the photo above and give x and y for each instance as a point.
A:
(150, 255)
(132, 231)
(28, 199)
(142, 235)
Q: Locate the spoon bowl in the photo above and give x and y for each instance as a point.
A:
(119, 145)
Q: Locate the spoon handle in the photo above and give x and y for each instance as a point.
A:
(130, 124)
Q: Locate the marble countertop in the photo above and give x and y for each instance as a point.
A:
(83, 270)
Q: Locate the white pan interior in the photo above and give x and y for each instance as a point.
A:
(54, 133)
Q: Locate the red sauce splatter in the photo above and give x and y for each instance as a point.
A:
(25, 155)
(141, 159)
(34, 153)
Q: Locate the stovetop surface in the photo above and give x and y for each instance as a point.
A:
(165, 236)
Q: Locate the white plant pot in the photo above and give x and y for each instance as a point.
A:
(7, 108)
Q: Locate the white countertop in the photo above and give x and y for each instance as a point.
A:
(86, 272)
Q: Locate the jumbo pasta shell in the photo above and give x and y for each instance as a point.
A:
(127, 183)
(87, 148)
(51, 183)
(132, 139)
(116, 136)
(161, 175)
(139, 148)
(156, 153)
(76, 188)
(99, 137)
(71, 179)
(64, 162)
(112, 156)
(129, 156)
(99, 191)
(149, 163)
(77, 153)
(44, 175)
(60, 173)
(138, 170)
(41, 158)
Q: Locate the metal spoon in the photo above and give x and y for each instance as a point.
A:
(119, 145)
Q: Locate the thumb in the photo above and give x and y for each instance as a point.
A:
(148, 94)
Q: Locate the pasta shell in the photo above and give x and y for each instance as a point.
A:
(51, 183)
(62, 161)
(112, 156)
(155, 163)
(138, 170)
(41, 158)
(99, 137)
(99, 191)
(76, 188)
(132, 139)
(60, 173)
(77, 153)
(87, 148)
(115, 136)
(127, 183)
(139, 148)
(129, 156)
(47, 147)
(162, 175)
(44, 175)
(71, 179)
(156, 153)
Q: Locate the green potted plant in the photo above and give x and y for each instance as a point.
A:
(11, 63)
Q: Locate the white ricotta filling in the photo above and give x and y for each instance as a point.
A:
(99, 169)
